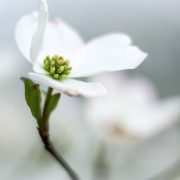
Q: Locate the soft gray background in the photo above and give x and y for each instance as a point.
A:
(153, 24)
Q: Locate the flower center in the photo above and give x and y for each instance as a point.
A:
(57, 66)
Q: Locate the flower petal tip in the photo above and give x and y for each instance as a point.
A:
(44, 6)
(94, 90)
(141, 57)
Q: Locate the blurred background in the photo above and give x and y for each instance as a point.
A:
(154, 26)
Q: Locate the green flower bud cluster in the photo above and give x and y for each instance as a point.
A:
(57, 66)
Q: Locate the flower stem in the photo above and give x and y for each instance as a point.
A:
(45, 137)
(45, 115)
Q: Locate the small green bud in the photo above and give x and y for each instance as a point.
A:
(57, 67)
(53, 63)
(48, 58)
(61, 58)
(46, 67)
(55, 57)
(60, 62)
(67, 72)
(46, 62)
(60, 70)
(52, 70)
(62, 77)
(66, 67)
(56, 76)
(67, 62)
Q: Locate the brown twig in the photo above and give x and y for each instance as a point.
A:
(50, 148)
(44, 134)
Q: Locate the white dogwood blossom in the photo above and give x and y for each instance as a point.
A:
(132, 108)
(59, 55)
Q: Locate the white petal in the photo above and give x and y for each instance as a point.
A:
(25, 29)
(38, 37)
(112, 52)
(71, 87)
(29, 32)
(60, 39)
(153, 120)
(38, 68)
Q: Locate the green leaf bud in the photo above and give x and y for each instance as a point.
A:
(52, 70)
(46, 62)
(67, 62)
(56, 76)
(52, 63)
(60, 70)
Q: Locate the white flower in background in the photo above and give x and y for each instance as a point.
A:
(137, 132)
(47, 45)
(132, 108)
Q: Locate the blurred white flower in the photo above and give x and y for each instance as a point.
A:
(39, 41)
(137, 132)
(132, 108)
